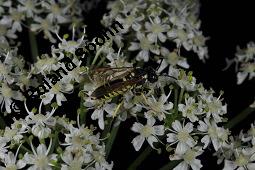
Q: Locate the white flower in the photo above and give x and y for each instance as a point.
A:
(6, 95)
(172, 59)
(158, 107)
(214, 107)
(72, 161)
(46, 26)
(29, 7)
(188, 82)
(3, 147)
(41, 122)
(181, 37)
(99, 157)
(247, 69)
(118, 59)
(57, 90)
(181, 135)
(15, 17)
(131, 20)
(80, 138)
(189, 159)
(191, 109)
(5, 30)
(70, 45)
(244, 159)
(156, 30)
(10, 162)
(40, 159)
(56, 11)
(46, 64)
(99, 113)
(145, 45)
(7, 65)
(213, 133)
(148, 132)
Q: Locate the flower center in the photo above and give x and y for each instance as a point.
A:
(183, 136)
(29, 4)
(214, 106)
(6, 91)
(182, 35)
(242, 160)
(145, 44)
(16, 16)
(212, 132)
(77, 140)
(56, 88)
(189, 156)
(157, 28)
(42, 161)
(45, 25)
(3, 30)
(11, 167)
(147, 131)
(55, 9)
(173, 58)
(98, 156)
(2, 67)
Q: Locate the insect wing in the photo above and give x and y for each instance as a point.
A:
(116, 88)
(106, 74)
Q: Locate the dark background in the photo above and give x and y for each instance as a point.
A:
(227, 25)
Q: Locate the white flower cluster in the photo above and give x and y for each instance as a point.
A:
(150, 25)
(46, 16)
(245, 64)
(239, 153)
(77, 147)
(245, 59)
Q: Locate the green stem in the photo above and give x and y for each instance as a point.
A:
(33, 45)
(101, 61)
(82, 112)
(55, 142)
(180, 96)
(2, 123)
(175, 100)
(240, 117)
(170, 165)
(140, 158)
(96, 57)
(111, 139)
(25, 149)
(107, 127)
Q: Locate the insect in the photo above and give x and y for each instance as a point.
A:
(120, 80)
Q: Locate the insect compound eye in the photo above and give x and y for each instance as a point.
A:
(152, 78)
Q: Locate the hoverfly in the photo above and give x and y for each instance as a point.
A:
(120, 80)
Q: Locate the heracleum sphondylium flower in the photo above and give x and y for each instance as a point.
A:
(40, 158)
(213, 133)
(148, 132)
(191, 109)
(189, 159)
(182, 135)
(10, 161)
(158, 107)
